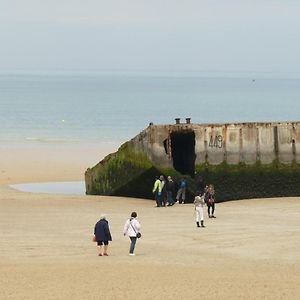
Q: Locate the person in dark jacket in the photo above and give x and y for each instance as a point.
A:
(102, 234)
(210, 199)
(170, 189)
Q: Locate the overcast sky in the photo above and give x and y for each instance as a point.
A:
(169, 35)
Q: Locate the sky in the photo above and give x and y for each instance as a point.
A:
(153, 35)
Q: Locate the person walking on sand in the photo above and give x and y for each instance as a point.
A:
(102, 235)
(157, 191)
(132, 228)
(210, 201)
(199, 203)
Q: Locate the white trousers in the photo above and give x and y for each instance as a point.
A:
(199, 213)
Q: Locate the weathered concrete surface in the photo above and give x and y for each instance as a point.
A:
(238, 149)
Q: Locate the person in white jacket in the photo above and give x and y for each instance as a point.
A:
(199, 203)
(131, 228)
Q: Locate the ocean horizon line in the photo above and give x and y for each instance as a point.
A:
(214, 74)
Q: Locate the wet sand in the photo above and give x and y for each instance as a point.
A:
(250, 251)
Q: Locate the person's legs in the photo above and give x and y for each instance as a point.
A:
(105, 248)
(208, 210)
(132, 244)
(178, 197)
(159, 195)
(100, 246)
(197, 216)
(183, 195)
(157, 199)
(213, 210)
(170, 198)
(163, 198)
(201, 216)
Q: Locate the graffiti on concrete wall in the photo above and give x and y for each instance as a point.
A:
(216, 141)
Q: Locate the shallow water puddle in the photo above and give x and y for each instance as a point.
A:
(67, 187)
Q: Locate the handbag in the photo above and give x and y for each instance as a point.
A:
(138, 234)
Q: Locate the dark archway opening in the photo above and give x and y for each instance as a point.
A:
(183, 152)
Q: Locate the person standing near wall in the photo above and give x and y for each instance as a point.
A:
(170, 190)
(181, 191)
(132, 228)
(102, 235)
(157, 191)
(163, 190)
(199, 203)
(210, 201)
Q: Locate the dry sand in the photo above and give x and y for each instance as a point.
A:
(250, 251)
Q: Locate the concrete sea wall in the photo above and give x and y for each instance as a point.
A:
(232, 143)
(258, 155)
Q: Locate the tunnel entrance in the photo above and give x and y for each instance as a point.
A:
(183, 152)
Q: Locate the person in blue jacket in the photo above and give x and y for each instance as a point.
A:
(102, 235)
(181, 191)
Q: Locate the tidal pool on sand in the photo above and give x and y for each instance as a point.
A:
(67, 187)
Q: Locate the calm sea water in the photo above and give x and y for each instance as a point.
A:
(114, 107)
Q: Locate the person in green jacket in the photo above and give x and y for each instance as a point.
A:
(157, 191)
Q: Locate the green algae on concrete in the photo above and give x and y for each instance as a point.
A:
(116, 170)
(233, 182)
(126, 173)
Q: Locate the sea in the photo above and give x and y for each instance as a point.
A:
(112, 107)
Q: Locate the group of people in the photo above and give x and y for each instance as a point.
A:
(165, 190)
(164, 195)
(103, 236)
(204, 197)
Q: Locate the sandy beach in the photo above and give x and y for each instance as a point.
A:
(250, 251)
